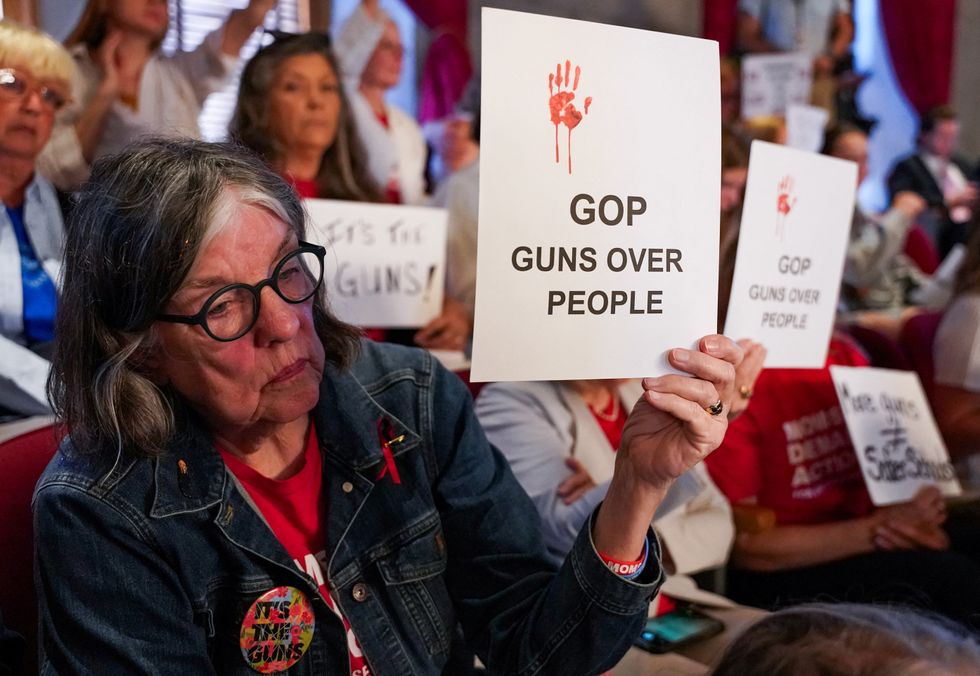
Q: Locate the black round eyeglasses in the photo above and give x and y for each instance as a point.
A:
(231, 311)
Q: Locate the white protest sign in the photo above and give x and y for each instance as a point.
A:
(599, 175)
(805, 127)
(771, 82)
(795, 229)
(896, 438)
(385, 264)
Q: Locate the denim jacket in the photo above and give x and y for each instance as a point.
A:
(144, 568)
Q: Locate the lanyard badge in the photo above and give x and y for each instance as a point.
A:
(386, 438)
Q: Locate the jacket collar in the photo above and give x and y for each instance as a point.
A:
(347, 420)
(191, 476)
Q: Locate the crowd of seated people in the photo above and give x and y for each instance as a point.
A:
(779, 526)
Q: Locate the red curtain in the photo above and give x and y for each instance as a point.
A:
(920, 39)
(719, 23)
(447, 66)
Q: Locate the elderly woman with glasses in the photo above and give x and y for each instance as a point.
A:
(34, 75)
(248, 486)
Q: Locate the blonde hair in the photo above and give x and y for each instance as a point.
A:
(29, 48)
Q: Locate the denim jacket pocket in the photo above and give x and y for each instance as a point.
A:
(414, 575)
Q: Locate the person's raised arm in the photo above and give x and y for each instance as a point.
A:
(841, 35)
(669, 430)
(241, 23)
(91, 120)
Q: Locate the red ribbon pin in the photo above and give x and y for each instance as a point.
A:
(385, 437)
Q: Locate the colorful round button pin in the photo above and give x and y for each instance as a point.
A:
(277, 630)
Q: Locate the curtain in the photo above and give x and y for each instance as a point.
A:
(719, 23)
(447, 67)
(919, 34)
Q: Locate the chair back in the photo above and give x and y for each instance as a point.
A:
(882, 350)
(917, 338)
(23, 457)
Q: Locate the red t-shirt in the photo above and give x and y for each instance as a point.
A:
(791, 450)
(305, 188)
(611, 421)
(295, 509)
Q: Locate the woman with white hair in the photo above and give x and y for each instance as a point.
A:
(35, 72)
(370, 51)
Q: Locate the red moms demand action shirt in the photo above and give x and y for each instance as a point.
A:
(295, 510)
(791, 450)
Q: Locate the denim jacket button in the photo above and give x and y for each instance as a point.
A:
(347, 487)
(359, 592)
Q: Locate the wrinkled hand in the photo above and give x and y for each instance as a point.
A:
(746, 373)
(577, 484)
(449, 331)
(913, 524)
(909, 203)
(669, 431)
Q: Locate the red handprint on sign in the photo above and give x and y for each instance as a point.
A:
(560, 104)
(785, 201)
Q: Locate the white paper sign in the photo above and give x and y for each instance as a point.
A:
(599, 175)
(805, 127)
(794, 233)
(771, 82)
(896, 438)
(385, 265)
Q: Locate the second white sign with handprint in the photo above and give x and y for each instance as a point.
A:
(599, 174)
(791, 247)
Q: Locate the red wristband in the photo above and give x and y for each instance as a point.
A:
(625, 568)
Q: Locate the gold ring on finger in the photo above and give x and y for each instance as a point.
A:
(716, 408)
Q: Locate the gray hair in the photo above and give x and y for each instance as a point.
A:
(851, 640)
(136, 230)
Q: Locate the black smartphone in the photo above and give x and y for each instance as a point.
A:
(679, 627)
